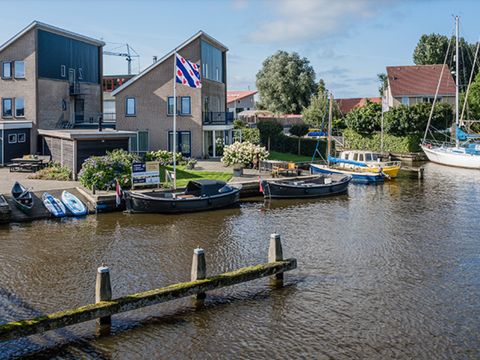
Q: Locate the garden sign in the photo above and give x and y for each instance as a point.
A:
(145, 173)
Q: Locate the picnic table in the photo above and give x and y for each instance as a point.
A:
(278, 167)
(26, 164)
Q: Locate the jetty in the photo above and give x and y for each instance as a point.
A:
(104, 306)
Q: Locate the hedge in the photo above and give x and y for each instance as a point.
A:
(289, 144)
(394, 144)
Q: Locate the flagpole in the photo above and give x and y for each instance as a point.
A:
(175, 120)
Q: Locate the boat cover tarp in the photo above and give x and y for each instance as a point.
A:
(204, 187)
(462, 135)
(335, 160)
(317, 133)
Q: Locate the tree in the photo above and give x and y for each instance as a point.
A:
(383, 79)
(285, 83)
(472, 111)
(316, 113)
(299, 130)
(431, 49)
(365, 119)
(269, 130)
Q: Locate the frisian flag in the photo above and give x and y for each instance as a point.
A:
(187, 73)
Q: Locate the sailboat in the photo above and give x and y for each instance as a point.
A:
(359, 171)
(465, 152)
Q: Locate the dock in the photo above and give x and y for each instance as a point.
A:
(104, 306)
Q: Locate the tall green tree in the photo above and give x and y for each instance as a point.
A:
(383, 79)
(472, 111)
(431, 49)
(317, 111)
(365, 119)
(286, 82)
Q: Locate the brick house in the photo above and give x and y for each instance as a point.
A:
(410, 85)
(51, 86)
(144, 104)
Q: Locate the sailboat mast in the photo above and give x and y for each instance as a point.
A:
(330, 115)
(457, 76)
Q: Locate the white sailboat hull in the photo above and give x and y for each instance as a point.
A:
(452, 157)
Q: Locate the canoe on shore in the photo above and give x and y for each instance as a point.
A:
(200, 195)
(22, 198)
(322, 185)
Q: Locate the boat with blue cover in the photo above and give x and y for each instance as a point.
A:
(358, 176)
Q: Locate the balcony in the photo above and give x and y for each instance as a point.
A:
(88, 121)
(217, 118)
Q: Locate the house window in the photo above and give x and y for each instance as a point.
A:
(19, 107)
(12, 138)
(80, 74)
(22, 138)
(185, 105)
(142, 142)
(19, 69)
(405, 100)
(6, 70)
(63, 71)
(212, 62)
(130, 108)
(7, 107)
(170, 105)
(64, 105)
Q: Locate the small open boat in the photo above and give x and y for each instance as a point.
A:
(53, 205)
(22, 197)
(5, 210)
(358, 176)
(322, 185)
(74, 204)
(198, 196)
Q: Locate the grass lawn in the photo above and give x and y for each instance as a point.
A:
(184, 175)
(275, 155)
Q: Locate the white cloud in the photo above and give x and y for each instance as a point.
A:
(299, 20)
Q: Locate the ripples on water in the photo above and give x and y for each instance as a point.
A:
(391, 271)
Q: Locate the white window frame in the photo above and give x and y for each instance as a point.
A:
(134, 106)
(3, 70)
(16, 115)
(15, 69)
(405, 100)
(21, 136)
(11, 137)
(80, 74)
(63, 71)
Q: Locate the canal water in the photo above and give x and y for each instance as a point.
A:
(389, 271)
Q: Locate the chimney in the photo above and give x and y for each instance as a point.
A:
(154, 59)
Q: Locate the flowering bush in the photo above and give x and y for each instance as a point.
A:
(163, 156)
(243, 153)
(102, 171)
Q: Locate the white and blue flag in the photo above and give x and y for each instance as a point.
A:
(187, 73)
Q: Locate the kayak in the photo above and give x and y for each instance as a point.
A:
(53, 205)
(72, 203)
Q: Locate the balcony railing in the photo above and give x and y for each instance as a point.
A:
(217, 118)
(88, 120)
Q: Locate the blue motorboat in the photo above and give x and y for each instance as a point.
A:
(359, 177)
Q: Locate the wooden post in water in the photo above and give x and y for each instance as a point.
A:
(199, 269)
(103, 292)
(275, 253)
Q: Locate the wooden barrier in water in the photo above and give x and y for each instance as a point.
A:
(105, 307)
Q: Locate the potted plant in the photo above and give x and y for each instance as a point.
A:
(238, 169)
(191, 163)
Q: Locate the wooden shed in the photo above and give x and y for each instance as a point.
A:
(71, 147)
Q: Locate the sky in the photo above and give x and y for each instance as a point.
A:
(348, 42)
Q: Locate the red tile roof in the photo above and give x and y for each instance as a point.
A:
(347, 105)
(419, 80)
(238, 95)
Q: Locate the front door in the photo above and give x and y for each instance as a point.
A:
(79, 110)
(184, 142)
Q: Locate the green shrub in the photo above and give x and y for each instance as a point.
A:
(251, 135)
(394, 144)
(54, 171)
(165, 157)
(269, 129)
(299, 130)
(289, 144)
(365, 119)
(102, 171)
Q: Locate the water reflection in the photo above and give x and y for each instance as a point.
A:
(388, 271)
